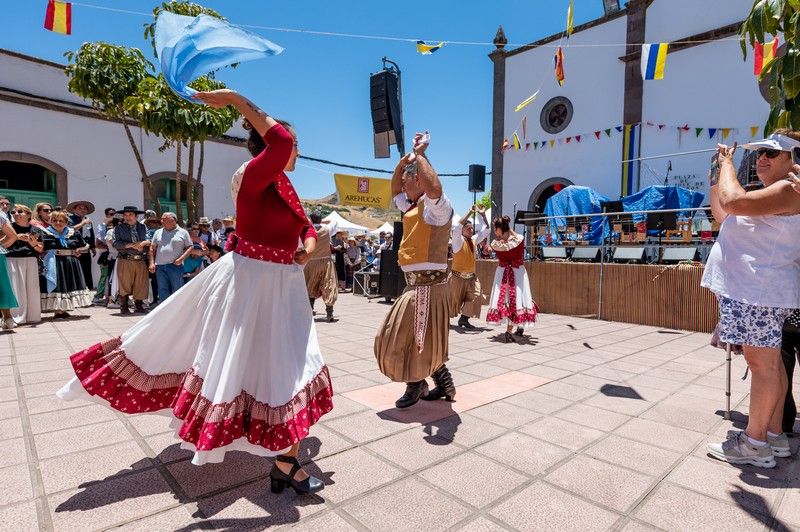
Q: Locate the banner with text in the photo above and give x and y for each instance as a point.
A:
(363, 191)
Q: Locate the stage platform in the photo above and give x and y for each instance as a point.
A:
(662, 296)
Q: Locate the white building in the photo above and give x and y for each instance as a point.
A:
(706, 85)
(54, 147)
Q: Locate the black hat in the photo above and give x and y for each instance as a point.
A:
(129, 208)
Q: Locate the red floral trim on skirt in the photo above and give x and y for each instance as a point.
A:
(509, 309)
(105, 371)
(258, 251)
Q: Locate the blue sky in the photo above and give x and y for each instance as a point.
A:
(321, 83)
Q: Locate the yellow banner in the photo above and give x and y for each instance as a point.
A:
(363, 191)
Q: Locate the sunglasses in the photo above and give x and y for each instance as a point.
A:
(19, 212)
(45, 210)
(769, 152)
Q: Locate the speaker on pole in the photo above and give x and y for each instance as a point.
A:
(387, 111)
(477, 178)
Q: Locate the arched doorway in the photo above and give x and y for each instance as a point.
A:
(30, 179)
(545, 190)
(164, 184)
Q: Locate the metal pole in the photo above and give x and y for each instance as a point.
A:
(602, 267)
(728, 382)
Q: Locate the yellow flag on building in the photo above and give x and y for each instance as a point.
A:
(363, 191)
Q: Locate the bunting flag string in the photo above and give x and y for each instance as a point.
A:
(764, 54)
(559, 66)
(654, 59)
(570, 18)
(526, 101)
(723, 132)
(524, 127)
(428, 49)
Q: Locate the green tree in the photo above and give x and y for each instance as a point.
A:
(486, 201)
(772, 17)
(180, 123)
(107, 74)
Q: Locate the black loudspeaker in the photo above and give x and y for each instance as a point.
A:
(611, 206)
(477, 178)
(629, 255)
(397, 236)
(586, 254)
(387, 114)
(662, 221)
(391, 281)
(673, 255)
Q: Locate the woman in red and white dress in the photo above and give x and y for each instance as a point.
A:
(511, 293)
(243, 370)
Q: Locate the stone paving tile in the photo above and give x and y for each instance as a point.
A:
(473, 478)
(16, 484)
(8, 393)
(427, 509)
(75, 439)
(254, 507)
(464, 429)
(238, 468)
(745, 487)
(110, 501)
(634, 455)
(23, 516)
(365, 426)
(10, 428)
(413, 449)
(593, 417)
(329, 522)
(523, 452)
(538, 401)
(671, 507)
(175, 519)
(544, 507)
(352, 473)
(660, 435)
(482, 524)
(70, 418)
(563, 433)
(566, 391)
(65, 472)
(504, 414)
(610, 485)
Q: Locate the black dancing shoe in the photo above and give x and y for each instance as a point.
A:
(279, 480)
(520, 331)
(445, 389)
(414, 390)
(329, 314)
(463, 321)
(508, 338)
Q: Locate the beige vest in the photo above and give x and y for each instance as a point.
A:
(422, 242)
(323, 248)
(464, 260)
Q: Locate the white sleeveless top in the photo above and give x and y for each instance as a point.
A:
(756, 260)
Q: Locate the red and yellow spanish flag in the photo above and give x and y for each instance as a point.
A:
(59, 17)
(764, 55)
(559, 64)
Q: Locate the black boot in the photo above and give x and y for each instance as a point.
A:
(520, 331)
(139, 306)
(279, 480)
(312, 300)
(329, 313)
(123, 305)
(444, 386)
(414, 390)
(463, 321)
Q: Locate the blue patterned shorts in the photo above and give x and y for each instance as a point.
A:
(745, 324)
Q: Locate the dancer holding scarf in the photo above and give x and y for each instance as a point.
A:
(62, 284)
(511, 294)
(232, 357)
(412, 343)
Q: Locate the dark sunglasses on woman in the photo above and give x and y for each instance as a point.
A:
(769, 152)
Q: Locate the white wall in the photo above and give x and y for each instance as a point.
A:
(671, 20)
(96, 153)
(595, 85)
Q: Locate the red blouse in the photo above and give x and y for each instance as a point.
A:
(513, 257)
(268, 211)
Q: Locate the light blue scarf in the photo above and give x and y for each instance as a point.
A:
(190, 47)
(50, 272)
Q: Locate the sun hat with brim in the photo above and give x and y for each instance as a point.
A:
(89, 206)
(773, 142)
(130, 208)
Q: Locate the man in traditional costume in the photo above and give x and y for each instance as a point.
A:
(130, 239)
(320, 272)
(411, 345)
(464, 286)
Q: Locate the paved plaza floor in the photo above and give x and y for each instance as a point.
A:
(587, 425)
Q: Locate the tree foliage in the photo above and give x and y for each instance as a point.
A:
(769, 18)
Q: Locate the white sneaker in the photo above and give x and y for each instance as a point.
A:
(780, 445)
(738, 450)
(9, 324)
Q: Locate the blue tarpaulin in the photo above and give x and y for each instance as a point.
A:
(574, 200)
(661, 197)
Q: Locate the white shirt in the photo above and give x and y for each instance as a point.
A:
(437, 212)
(458, 237)
(756, 260)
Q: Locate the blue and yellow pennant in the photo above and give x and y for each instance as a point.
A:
(428, 49)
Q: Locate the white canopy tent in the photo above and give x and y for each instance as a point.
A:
(385, 228)
(345, 225)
